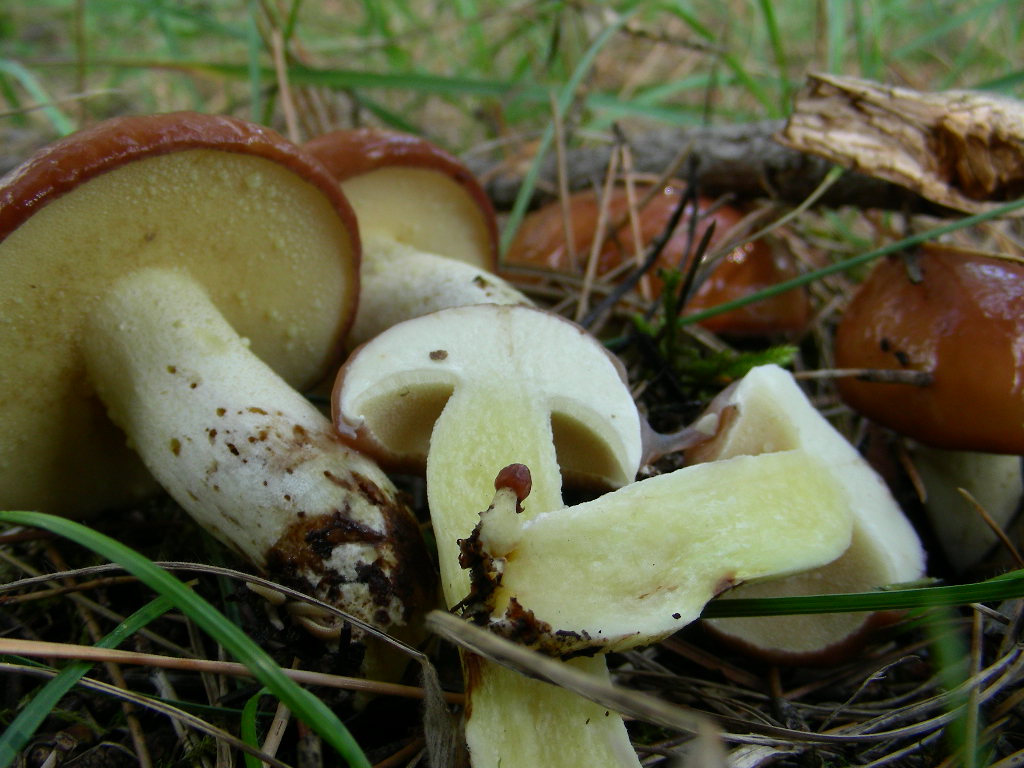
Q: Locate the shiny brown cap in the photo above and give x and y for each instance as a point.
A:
(962, 322)
(541, 242)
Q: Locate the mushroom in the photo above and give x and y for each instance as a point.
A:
(428, 228)
(957, 315)
(992, 481)
(766, 412)
(541, 242)
(177, 276)
(515, 394)
(964, 313)
(639, 563)
(470, 390)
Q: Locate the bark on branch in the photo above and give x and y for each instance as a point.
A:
(962, 149)
(907, 150)
(744, 160)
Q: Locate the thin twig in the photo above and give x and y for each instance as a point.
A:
(881, 375)
(596, 244)
(43, 649)
(284, 91)
(996, 528)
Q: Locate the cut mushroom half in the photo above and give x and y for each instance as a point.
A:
(471, 390)
(178, 276)
(429, 230)
(635, 565)
(766, 412)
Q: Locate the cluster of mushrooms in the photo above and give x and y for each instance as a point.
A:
(173, 284)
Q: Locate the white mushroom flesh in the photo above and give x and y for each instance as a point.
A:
(498, 374)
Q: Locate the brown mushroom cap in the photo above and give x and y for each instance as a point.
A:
(261, 227)
(540, 242)
(964, 323)
(414, 191)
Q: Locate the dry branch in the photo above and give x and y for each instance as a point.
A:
(960, 149)
(905, 150)
(743, 160)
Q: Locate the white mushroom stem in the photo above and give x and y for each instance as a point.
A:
(400, 282)
(248, 457)
(493, 386)
(992, 480)
(516, 721)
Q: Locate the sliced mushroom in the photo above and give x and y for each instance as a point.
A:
(766, 412)
(479, 388)
(429, 230)
(482, 387)
(635, 565)
(177, 276)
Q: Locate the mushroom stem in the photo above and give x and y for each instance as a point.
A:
(400, 282)
(470, 391)
(516, 430)
(515, 720)
(248, 457)
(993, 482)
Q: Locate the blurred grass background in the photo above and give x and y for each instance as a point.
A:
(468, 72)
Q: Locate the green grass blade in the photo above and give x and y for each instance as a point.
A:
(835, 35)
(292, 19)
(15, 110)
(562, 104)
(1006, 587)
(301, 702)
(778, 52)
(408, 80)
(247, 728)
(856, 261)
(301, 75)
(61, 123)
(23, 727)
(389, 117)
(952, 661)
(868, 29)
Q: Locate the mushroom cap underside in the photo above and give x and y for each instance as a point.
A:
(261, 227)
(391, 390)
(413, 191)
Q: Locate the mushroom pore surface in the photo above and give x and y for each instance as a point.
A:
(412, 191)
(265, 243)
